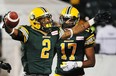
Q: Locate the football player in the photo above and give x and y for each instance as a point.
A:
(71, 51)
(39, 39)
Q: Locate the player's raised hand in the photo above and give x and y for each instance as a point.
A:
(102, 16)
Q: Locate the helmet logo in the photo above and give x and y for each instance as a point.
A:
(32, 17)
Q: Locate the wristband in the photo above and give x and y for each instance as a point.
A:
(12, 32)
(71, 33)
(91, 21)
(79, 64)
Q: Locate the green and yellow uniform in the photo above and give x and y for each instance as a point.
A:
(73, 49)
(38, 49)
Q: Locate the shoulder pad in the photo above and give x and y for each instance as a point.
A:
(88, 30)
(25, 26)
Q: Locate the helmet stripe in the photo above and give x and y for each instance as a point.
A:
(43, 9)
(69, 10)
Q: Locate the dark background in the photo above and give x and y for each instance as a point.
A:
(91, 7)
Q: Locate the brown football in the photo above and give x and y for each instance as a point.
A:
(12, 19)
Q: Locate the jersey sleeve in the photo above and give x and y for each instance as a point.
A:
(90, 41)
(25, 33)
(61, 32)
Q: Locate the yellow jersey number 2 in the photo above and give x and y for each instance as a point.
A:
(47, 44)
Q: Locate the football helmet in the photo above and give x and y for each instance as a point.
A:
(69, 17)
(41, 19)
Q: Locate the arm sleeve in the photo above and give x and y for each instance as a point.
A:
(22, 34)
(19, 37)
(90, 41)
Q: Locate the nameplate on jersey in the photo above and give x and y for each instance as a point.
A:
(54, 32)
(79, 37)
(68, 40)
(46, 37)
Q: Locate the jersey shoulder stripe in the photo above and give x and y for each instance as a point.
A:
(25, 32)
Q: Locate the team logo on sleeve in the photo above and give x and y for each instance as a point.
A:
(80, 38)
(54, 32)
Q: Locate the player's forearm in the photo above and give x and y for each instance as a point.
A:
(66, 34)
(14, 33)
(7, 29)
(90, 55)
(78, 28)
(88, 63)
(18, 35)
(11, 31)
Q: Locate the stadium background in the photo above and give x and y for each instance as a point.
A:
(105, 64)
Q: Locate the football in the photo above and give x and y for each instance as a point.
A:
(12, 19)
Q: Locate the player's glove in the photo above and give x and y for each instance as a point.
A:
(69, 65)
(102, 16)
(5, 66)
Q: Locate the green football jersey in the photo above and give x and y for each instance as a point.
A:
(38, 49)
(73, 49)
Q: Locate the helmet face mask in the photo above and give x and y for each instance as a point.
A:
(44, 20)
(68, 22)
(40, 19)
(69, 17)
